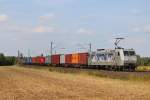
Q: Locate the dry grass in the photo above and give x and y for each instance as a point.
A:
(18, 83)
(127, 76)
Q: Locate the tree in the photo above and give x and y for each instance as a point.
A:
(2, 59)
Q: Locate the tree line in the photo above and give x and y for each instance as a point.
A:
(7, 60)
(143, 61)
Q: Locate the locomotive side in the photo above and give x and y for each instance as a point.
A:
(119, 59)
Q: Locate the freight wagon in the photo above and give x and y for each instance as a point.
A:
(68, 59)
(27, 60)
(55, 60)
(48, 60)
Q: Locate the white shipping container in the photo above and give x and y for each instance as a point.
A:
(48, 60)
(62, 59)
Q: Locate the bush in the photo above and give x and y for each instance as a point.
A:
(8, 60)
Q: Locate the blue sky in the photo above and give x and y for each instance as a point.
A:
(73, 24)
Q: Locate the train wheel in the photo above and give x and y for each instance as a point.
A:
(120, 68)
(123, 68)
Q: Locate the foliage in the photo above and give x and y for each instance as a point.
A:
(144, 61)
(6, 60)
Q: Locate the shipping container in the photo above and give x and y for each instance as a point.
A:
(33, 60)
(41, 60)
(83, 58)
(55, 59)
(24, 60)
(48, 60)
(62, 59)
(68, 58)
(75, 58)
(28, 60)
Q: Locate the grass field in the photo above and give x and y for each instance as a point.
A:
(21, 83)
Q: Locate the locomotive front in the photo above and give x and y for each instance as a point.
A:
(130, 58)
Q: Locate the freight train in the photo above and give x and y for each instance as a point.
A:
(110, 59)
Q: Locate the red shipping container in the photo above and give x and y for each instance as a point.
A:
(41, 60)
(83, 58)
(37, 60)
(33, 60)
(68, 58)
(55, 59)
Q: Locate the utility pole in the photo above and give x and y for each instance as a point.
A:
(18, 60)
(90, 47)
(51, 48)
(18, 53)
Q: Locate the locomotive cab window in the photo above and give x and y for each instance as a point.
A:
(129, 53)
(132, 53)
(126, 53)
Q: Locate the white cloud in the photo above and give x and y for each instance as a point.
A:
(28, 29)
(145, 29)
(136, 29)
(83, 31)
(47, 17)
(43, 29)
(135, 41)
(3, 18)
(53, 2)
(87, 17)
(136, 11)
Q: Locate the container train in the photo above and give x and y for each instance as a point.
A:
(110, 59)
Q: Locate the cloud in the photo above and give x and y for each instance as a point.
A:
(53, 2)
(47, 17)
(136, 29)
(145, 29)
(87, 17)
(3, 18)
(28, 29)
(43, 29)
(83, 31)
(136, 11)
(136, 41)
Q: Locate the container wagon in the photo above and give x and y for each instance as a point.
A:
(55, 60)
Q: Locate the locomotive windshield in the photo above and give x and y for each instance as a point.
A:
(129, 53)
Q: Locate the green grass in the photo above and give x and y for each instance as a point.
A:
(77, 71)
(143, 68)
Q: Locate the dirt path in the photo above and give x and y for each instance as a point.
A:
(30, 84)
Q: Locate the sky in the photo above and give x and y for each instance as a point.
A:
(31, 25)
